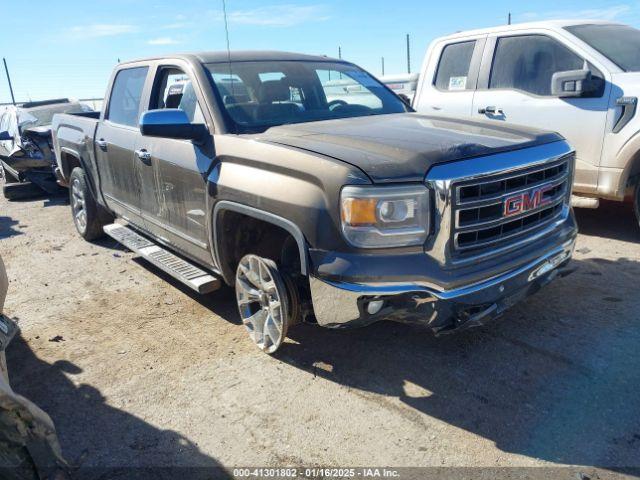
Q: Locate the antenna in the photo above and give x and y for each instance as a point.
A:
(509, 19)
(226, 31)
(6, 69)
(382, 66)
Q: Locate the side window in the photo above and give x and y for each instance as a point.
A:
(173, 89)
(528, 62)
(124, 103)
(453, 67)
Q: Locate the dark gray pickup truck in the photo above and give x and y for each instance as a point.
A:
(317, 192)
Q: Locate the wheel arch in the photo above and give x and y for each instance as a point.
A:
(225, 206)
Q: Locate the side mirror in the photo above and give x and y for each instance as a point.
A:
(571, 83)
(5, 136)
(405, 99)
(170, 123)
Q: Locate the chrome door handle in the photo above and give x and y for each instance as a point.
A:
(491, 110)
(102, 144)
(143, 155)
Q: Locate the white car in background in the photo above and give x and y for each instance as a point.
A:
(579, 78)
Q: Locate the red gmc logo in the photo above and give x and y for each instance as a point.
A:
(523, 202)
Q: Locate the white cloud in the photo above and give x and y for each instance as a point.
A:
(277, 15)
(101, 30)
(609, 13)
(163, 41)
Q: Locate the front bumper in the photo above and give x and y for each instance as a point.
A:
(340, 304)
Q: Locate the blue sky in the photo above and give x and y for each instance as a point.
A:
(68, 48)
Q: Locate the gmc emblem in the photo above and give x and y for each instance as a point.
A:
(523, 202)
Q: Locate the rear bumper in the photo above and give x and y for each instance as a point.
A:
(340, 304)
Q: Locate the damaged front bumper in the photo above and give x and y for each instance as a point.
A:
(341, 304)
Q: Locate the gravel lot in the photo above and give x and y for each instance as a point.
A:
(136, 370)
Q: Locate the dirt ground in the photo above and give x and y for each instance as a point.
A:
(136, 370)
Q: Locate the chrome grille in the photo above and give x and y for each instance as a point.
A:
(479, 217)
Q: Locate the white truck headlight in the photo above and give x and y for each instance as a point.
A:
(380, 216)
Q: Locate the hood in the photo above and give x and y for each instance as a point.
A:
(403, 147)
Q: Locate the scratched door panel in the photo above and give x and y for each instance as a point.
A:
(176, 202)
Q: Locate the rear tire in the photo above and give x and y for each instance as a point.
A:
(88, 216)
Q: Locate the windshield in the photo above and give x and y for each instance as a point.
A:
(619, 43)
(40, 116)
(258, 95)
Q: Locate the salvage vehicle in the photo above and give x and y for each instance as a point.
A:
(579, 78)
(29, 447)
(27, 161)
(317, 210)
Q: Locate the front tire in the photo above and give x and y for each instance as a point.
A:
(264, 303)
(88, 216)
(636, 202)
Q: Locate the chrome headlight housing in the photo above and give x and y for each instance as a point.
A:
(381, 216)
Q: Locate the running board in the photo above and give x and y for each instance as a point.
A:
(180, 269)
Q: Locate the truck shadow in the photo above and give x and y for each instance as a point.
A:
(118, 444)
(613, 220)
(554, 379)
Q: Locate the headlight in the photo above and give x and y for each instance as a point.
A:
(374, 217)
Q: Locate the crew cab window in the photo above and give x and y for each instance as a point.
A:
(173, 89)
(453, 67)
(528, 62)
(124, 103)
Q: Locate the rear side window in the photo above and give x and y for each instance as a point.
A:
(124, 103)
(453, 68)
(528, 62)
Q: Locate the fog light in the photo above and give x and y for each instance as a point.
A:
(374, 306)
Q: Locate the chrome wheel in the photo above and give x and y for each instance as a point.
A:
(78, 205)
(262, 302)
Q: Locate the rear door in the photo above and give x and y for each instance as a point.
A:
(448, 82)
(515, 80)
(173, 180)
(116, 140)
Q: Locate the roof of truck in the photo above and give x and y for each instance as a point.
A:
(549, 24)
(241, 56)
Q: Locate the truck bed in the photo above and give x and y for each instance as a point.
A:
(73, 137)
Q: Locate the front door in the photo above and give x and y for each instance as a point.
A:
(174, 175)
(116, 139)
(517, 89)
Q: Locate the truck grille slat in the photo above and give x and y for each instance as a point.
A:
(480, 216)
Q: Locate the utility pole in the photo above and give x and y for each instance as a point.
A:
(6, 69)
(340, 53)
(383, 66)
(509, 19)
(408, 55)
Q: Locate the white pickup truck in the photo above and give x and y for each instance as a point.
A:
(579, 78)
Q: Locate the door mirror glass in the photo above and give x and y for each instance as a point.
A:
(170, 123)
(571, 83)
(5, 136)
